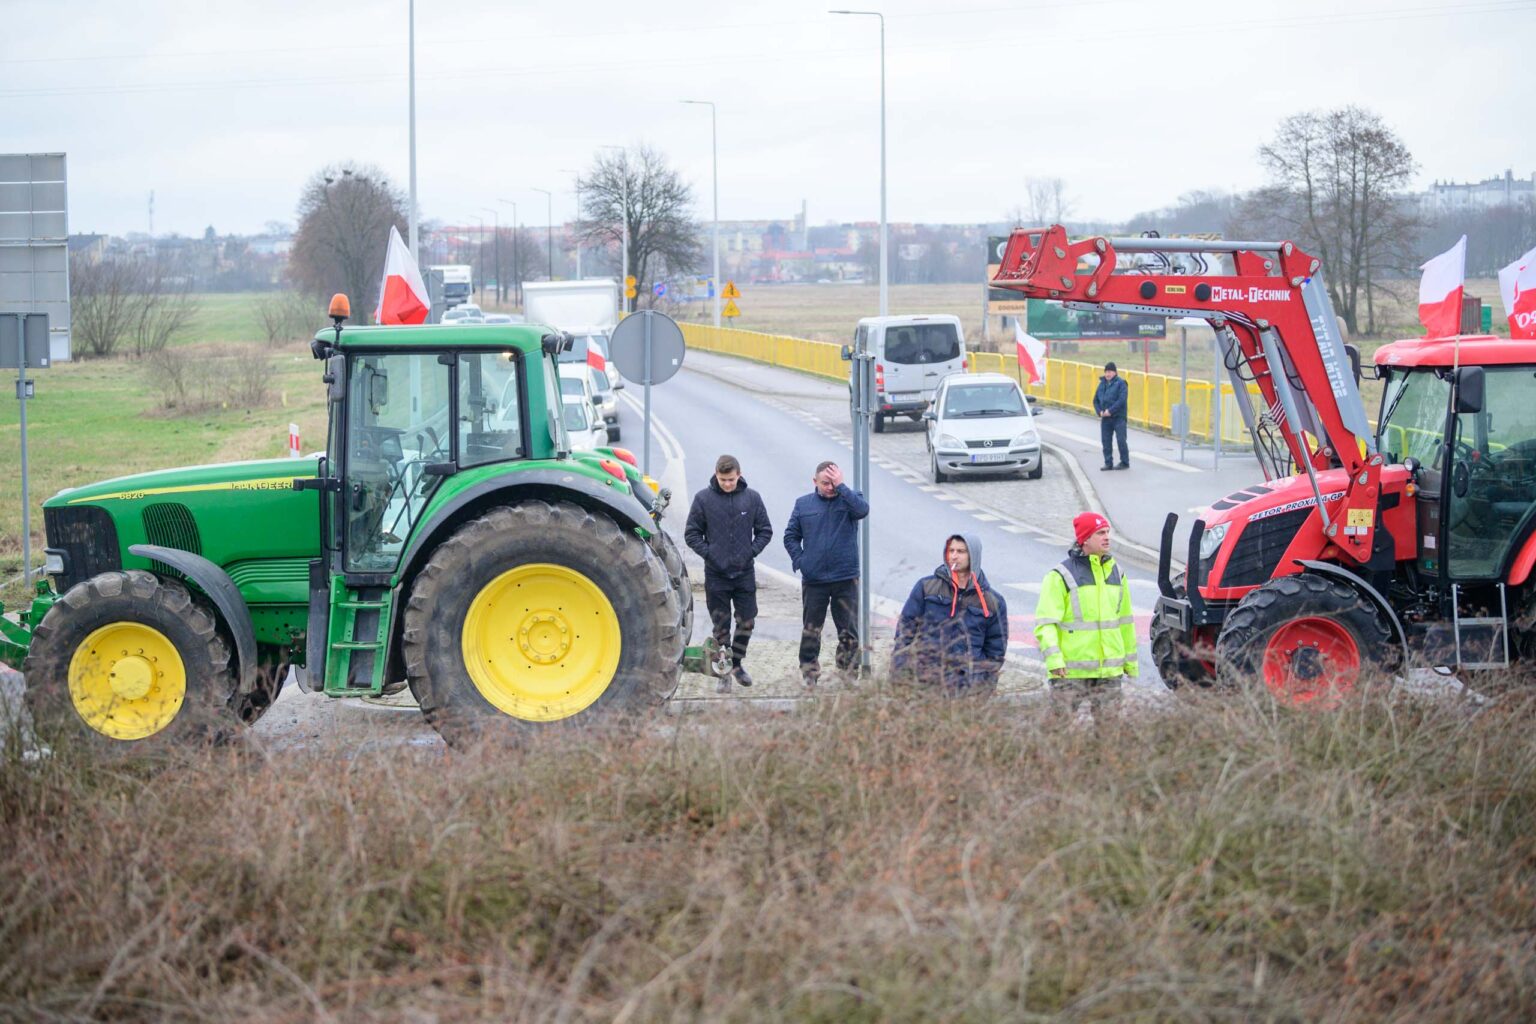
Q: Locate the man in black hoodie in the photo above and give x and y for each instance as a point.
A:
(728, 527)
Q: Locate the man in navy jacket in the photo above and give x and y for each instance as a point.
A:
(822, 540)
(728, 527)
(1110, 399)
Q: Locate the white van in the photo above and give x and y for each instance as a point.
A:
(912, 354)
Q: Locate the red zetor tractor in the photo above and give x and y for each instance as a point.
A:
(1364, 550)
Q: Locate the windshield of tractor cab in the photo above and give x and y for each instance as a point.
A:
(1413, 407)
(398, 422)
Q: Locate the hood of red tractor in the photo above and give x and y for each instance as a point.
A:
(1259, 532)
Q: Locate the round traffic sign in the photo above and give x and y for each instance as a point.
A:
(627, 347)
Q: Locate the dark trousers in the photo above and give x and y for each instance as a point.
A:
(720, 597)
(843, 597)
(1112, 428)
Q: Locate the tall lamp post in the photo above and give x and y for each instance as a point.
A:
(517, 265)
(496, 227)
(624, 190)
(861, 368)
(576, 177)
(549, 226)
(415, 238)
(714, 151)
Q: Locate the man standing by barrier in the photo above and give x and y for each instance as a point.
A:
(1083, 620)
(728, 527)
(1111, 400)
(822, 540)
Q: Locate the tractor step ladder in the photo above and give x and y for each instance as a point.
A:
(359, 640)
(1482, 638)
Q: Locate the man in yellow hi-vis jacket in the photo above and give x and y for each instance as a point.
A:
(1083, 620)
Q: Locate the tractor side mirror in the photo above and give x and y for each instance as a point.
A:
(335, 378)
(1353, 353)
(1469, 389)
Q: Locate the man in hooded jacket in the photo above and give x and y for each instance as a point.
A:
(953, 630)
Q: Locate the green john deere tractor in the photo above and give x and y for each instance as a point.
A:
(448, 540)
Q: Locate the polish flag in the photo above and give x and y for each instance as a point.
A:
(1031, 353)
(402, 294)
(1517, 283)
(595, 358)
(1440, 291)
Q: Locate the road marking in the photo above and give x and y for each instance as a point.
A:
(986, 518)
(946, 497)
(929, 488)
(962, 507)
(1155, 460)
(1010, 528)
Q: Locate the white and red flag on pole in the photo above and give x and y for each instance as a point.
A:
(402, 294)
(1031, 352)
(1517, 284)
(1440, 291)
(595, 358)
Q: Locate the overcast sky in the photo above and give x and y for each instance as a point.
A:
(225, 107)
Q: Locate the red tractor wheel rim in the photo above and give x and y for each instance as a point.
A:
(1311, 659)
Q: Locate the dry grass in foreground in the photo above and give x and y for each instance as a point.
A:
(868, 861)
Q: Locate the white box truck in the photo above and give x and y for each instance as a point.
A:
(458, 283)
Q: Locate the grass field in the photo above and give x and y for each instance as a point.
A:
(862, 860)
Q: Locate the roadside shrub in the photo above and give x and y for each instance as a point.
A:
(194, 379)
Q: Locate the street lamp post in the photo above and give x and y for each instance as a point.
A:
(415, 238)
(862, 359)
(624, 192)
(549, 226)
(496, 226)
(576, 177)
(517, 266)
(714, 151)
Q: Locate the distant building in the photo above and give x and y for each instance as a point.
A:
(1451, 196)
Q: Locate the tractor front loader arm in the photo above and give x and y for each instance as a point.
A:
(1271, 313)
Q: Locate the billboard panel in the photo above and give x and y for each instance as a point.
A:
(34, 241)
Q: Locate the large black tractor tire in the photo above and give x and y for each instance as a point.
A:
(128, 663)
(1307, 639)
(1174, 654)
(538, 614)
(677, 574)
(271, 674)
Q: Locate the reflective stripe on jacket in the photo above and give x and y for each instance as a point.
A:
(1083, 618)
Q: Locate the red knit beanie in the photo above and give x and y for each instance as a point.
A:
(1086, 524)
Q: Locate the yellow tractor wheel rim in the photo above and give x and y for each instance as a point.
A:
(541, 642)
(127, 681)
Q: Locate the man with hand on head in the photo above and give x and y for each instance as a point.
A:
(822, 540)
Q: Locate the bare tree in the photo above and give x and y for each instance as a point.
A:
(287, 316)
(1337, 189)
(663, 237)
(345, 213)
(1047, 201)
(117, 300)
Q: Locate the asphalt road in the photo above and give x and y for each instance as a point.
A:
(783, 424)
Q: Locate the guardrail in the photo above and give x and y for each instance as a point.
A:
(1069, 384)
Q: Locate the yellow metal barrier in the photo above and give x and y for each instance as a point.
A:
(1069, 384)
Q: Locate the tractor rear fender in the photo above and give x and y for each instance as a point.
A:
(544, 484)
(226, 597)
(1366, 591)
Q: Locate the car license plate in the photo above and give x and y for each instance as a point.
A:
(903, 396)
(989, 457)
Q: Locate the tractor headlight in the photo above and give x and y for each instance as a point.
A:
(948, 441)
(53, 563)
(1210, 541)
